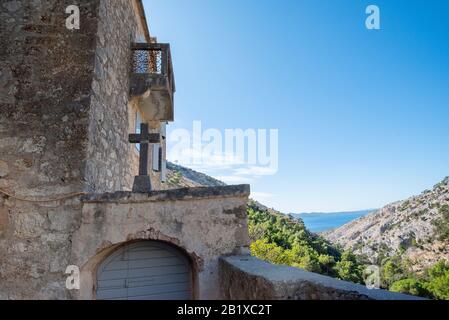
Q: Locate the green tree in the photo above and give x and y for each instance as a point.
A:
(327, 263)
(309, 262)
(410, 286)
(282, 239)
(391, 271)
(348, 268)
(438, 280)
(268, 251)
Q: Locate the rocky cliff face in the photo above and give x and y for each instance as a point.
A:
(408, 228)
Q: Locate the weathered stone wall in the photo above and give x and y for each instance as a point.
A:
(109, 152)
(64, 121)
(45, 79)
(46, 75)
(204, 222)
(248, 278)
(66, 92)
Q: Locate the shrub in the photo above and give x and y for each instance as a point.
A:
(391, 271)
(175, 179)
(269, 252)
(349, 269)
(409, 286)
(280, 239)
(438, 280)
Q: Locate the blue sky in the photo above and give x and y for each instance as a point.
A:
(362, 114)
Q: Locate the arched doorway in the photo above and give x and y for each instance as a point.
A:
(145, 270)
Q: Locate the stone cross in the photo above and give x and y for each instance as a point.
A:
(142, 182)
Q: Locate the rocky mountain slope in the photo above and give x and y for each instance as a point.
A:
(416, 229)
(180, 177)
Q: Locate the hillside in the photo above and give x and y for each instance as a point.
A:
(280, 238)
(416, 229)
(179, 177)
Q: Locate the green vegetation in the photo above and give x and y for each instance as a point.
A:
(434, 283)
(175, 179)
(392, 270)
(281, 239)
(349, 269)
(437, 280)
(409, 286)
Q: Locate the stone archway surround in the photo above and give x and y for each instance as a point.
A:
(88, 271)
(203, 226)
(93, 269)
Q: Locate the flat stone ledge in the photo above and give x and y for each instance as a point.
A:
(170, 195)
(246, 277)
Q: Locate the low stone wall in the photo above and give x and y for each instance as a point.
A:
(248, 278)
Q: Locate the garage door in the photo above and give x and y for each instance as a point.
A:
(146, 270)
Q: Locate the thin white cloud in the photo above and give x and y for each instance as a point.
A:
(228, 168)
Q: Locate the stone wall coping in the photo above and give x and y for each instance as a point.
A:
(281, 274)
(230, 191)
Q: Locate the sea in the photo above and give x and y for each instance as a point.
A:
(323, 221)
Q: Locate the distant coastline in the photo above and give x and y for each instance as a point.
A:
(324, 221)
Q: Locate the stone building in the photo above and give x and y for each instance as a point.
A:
(69, 100)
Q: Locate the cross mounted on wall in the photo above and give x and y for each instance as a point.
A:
(142, 182)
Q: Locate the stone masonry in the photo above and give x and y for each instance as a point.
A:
(205, 223)
(64, 121)
(46, 76)
(109, 153)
